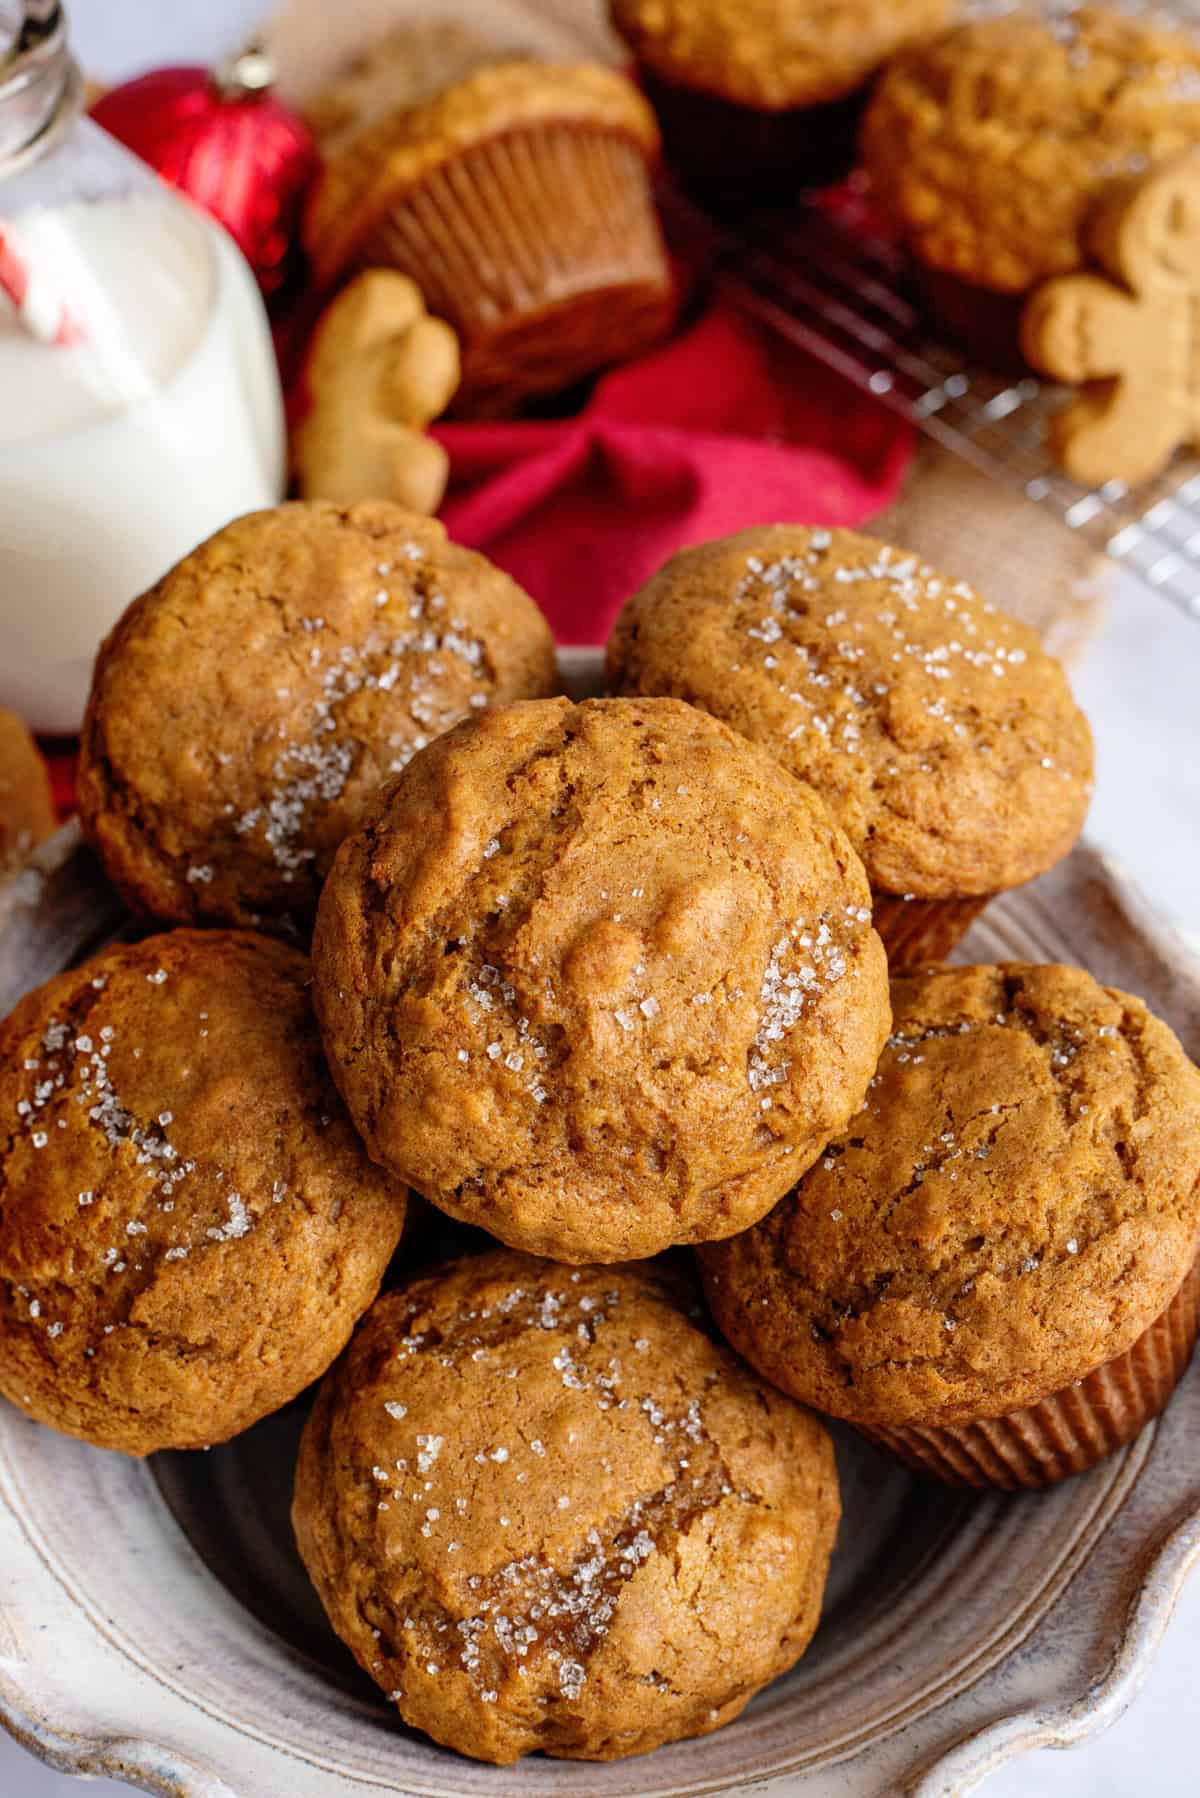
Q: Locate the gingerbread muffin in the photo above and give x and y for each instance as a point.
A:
(518, 199)
(600, 978)
(749, 92)
(943, 738)
(546, 1511)
(988, 145)
(26, 808)
(992, 1269)
(244, 709)
(189, 1228)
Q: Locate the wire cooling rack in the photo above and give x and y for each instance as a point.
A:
(825, 276)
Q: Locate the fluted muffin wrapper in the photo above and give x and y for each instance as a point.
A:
(917, 931)
(542, 248)
(1072, 1429)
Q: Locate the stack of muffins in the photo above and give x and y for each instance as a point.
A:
(602, 980)
(517, 193)
(988, 134)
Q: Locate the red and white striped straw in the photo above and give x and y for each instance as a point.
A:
(39, 307)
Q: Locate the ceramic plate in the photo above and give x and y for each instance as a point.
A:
(156, 1626)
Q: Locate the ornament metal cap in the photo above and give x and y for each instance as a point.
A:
(248, 72)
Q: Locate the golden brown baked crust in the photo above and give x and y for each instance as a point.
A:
(600, 978)
(390, 157)
(546, 1511)
(243, 711)
(989, 143)
(772, 54)
(189, 1227)
(408, 66)
(941, 735)
(1016, 1203)
(26, 808)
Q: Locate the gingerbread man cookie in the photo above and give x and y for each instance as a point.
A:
(379, 370)
(1129, 337)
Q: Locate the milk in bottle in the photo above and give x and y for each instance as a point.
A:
(139, 401)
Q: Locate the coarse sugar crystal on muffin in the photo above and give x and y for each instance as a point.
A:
(26, 807)
(753, 91)
(189, 1227)
(941, 735)
(244, 709)
(600, 978)
(988, 144)
(546, 1511)
(992, 1269)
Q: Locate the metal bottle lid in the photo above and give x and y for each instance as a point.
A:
(41, 89)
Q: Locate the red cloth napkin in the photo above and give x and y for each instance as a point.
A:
(724, 426)
(61, 754)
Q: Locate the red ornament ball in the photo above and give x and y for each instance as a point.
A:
(224, 139)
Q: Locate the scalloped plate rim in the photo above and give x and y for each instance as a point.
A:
(956, 1770)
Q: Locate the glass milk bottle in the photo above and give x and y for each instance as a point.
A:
(139, 401)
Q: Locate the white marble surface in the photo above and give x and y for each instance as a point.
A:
(1139, 681)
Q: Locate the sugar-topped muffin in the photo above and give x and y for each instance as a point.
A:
(245, 708)
(546, 1511)
(936, 728)
(26, 808)
(990, 1268)
(189, 1227)
(600, 978)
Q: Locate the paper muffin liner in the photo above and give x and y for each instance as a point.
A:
(1072, 1429)
(916, 931)
(719, 146)
(542, 248)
